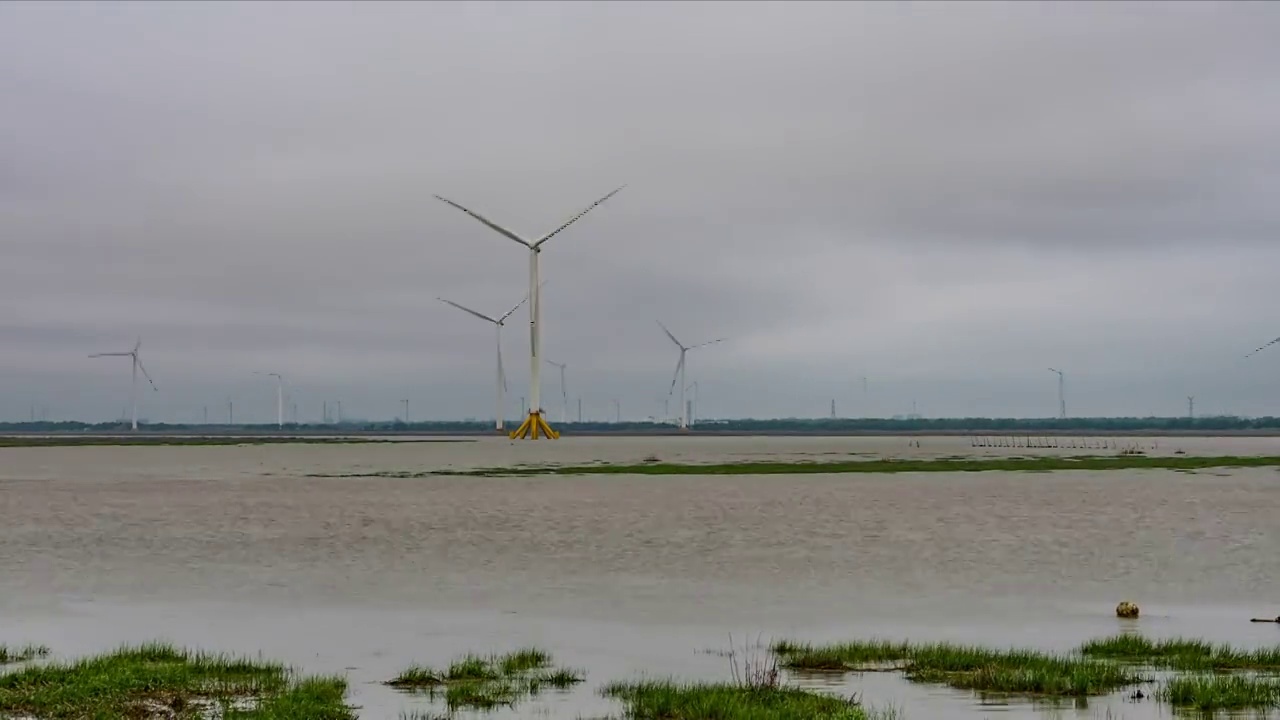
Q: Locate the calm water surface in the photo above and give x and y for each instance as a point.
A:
(238, 549)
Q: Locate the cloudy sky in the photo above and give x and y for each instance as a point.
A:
(946, 199)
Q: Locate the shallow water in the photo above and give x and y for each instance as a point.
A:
(237, 549)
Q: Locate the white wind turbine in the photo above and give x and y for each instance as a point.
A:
(137, 365)
(498, 324)
(679, 376)
(279, 397)
(564, 392)
(534, 425)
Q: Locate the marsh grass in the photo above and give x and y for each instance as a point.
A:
(477, 682)
(24, 653)
(666, 700)
(1221, 692)
(973, 464)
(159, 680)
(1015, 672)
(1182, 654)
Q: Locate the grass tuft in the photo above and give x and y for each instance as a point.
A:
(160, 680)
(1017, 672)
(1221, 692)
(1181, 654)
(474, 682)
(24, 653)
(666, 700)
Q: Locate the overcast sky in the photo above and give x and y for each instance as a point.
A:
(947, 199)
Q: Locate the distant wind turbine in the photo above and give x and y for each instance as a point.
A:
(534, 425)
(137, 365)
(1062, 397)
(564, 392)
(498, 325)
(279, 397)
(679, 376)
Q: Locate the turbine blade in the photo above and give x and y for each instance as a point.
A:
(675, 378)
(145, 375)
(482, 316)
(709, 342)
(508, 313)
(574, 219)
(673, 337)
(1264, 347)
(138, 345)
(491, 224)
(128, 354)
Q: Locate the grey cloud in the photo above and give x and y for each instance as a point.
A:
(945, 197)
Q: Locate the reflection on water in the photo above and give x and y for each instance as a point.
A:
(236, 549)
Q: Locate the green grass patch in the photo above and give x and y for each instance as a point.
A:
(475, 682)
(160, 680)
(23, 653)
(666, 700)
(1221, 692)
(1015, 672)
(1181, 654)
(975, 464)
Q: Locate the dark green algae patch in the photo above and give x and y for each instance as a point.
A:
(883, 466)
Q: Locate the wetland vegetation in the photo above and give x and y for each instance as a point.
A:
(669, 700)
(474, 682)
(24, 653)
(161, 681)
(1014, 672)
(1210, 693)
(157, 680)
(883, 465)
(1181, 654)
(1206, 676)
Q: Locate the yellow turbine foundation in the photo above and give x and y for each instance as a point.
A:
(534, 427)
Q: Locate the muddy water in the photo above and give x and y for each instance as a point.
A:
(237, 549)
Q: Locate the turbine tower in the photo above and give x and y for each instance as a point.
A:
(137, 365)
(279, 397)
(1062, 398)
(502, 375)
(564, 392)
(535, 424)
(679, 376)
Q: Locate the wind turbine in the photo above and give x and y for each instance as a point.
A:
(533, 425)
(497, 324)
(679, 376)
(137, 365)
(1062, 398)
(564, 392)
(279, 397)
